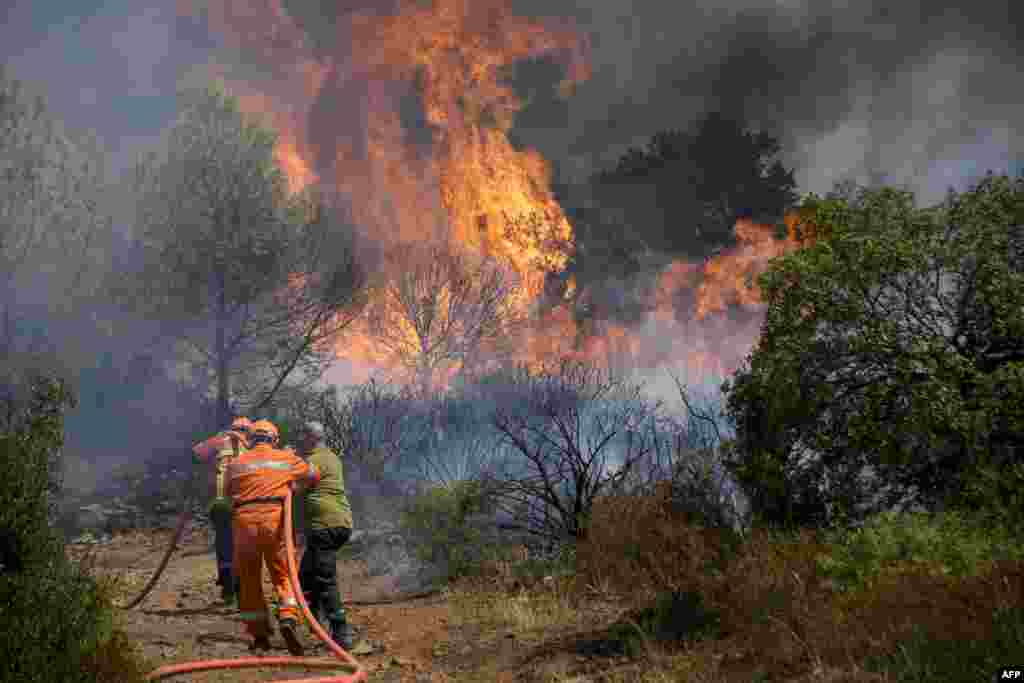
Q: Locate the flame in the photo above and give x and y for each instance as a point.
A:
(453, 175)
(730, 278)
(705, 316)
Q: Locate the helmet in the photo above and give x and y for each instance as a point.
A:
(264, 431)
(241, 424)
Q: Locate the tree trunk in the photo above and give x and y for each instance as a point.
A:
(223, 385)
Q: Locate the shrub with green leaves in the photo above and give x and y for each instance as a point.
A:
(925, 658)
(952, 542)
(995, 495)
(891, 345)
(438, 524)
(674, 617)
(57, 620)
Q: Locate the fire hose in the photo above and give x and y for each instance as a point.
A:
(186, 515)
(346, 660)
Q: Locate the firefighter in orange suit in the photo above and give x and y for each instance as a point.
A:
(258, 481)
(220, 450)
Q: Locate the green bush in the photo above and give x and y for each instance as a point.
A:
(559, 565)
(995, 495)
(57, 620)
(674, 617)
(437, 522)
(954, 542)
(922, 658)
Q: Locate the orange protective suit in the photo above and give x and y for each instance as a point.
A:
(258, 481)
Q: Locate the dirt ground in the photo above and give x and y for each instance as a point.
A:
(413, 640)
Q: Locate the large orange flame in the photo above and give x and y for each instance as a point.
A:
(453, 175)
(703, 316)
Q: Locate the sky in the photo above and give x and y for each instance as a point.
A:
(921, 92)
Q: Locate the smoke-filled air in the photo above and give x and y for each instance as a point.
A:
(546, 306)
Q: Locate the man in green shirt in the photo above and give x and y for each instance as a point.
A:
(328, 527)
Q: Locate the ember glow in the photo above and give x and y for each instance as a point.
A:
(448, 171)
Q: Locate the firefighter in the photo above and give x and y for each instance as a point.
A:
(221, 449)
(258, 481)
(328, 518)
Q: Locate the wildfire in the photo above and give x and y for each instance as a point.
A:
(410, 119)
(686, 311)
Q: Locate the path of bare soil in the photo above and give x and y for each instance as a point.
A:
(411, 640)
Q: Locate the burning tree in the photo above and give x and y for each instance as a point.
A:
(442, 312)
(687, 189)
(253, 283)
(572, 432)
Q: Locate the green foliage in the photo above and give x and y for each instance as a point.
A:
(532, 569)
(996, 494)
(890, 342)
(57, 620)
(26, 450)
(951, 543)
(924, 657)
(438, 523)
(674, 617)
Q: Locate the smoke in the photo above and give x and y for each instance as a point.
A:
(901, 92)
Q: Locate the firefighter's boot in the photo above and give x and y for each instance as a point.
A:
(260, 644)
(342, 634)
(229, 589)
(289, 631)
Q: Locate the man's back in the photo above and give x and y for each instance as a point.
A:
(264, 472)
(327, 506)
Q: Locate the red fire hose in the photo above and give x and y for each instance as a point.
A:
(186, 514)
(346, 660)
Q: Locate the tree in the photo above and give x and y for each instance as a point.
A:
(52, 229)
(252, 284)
(891, 362)
(571, 432)
(52, 219)
(52, 223)
(442, 312)
(686, 190)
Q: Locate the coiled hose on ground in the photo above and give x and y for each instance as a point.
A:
(344, 659)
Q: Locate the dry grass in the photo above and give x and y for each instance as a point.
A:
(549, 605)
(779, 618)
